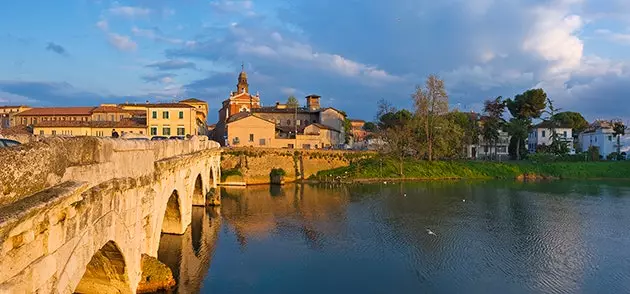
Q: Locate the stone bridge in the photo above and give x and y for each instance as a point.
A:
(78, 214)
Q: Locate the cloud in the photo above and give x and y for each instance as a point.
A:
(13, 99)
(123, 43)
(103, 25)
(129, 11)
(154, 34)
(172, 64)
(57, 49)
(47, 93)
(620, 38)
(244, 7)
(163, 78)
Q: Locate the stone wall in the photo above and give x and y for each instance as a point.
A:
(255, 164)
(33, 167)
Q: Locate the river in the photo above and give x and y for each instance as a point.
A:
(489, 237)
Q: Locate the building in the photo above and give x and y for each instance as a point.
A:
(90, 128)
(248, 129)
(291, 125)
(599, 134)
(490, 150)
(358, 133)
(542, 134)
(7, 114)
(152, 119)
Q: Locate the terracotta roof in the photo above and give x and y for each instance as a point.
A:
(57, 111)
(160, 105)
(325, 127)
(138, 112)
(335, 109)
(195, 100)
(242, 115)
(357, 120)
(124, 123)
(273, 109)
(101, 109)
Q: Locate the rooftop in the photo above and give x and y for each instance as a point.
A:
(159, 105)
(550, 125)
(85, 111)
(273, 109)
(124, 123)
(193, 100)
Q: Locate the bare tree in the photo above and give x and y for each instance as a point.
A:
(431, 102)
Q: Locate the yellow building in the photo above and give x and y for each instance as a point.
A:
(251, 130)
(7, 114)
(201, 108)
(172, 119)
(90, 128)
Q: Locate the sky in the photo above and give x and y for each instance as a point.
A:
(352, 53)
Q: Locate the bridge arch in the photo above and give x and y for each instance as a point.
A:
(106, 272)
(172, 222)
(199, 194)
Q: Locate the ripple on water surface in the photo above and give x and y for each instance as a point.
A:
(507, 237)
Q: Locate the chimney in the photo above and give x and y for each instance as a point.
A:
(312, 102)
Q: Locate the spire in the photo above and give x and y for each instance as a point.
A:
(242, 86)
(242, 66)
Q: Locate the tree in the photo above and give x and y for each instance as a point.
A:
(369, 127)
(558, 146)
(431, 102)
(523, 108)
(292, 102)
(518, 129)
(467, 122)
(530, 104)
(619, 129)
(493, 122)
(575, 120)
(395, 130)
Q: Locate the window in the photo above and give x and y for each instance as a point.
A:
(565, 134)
(41, 132)
(501, 149)
(297, 122)
(181, 131)
(111, 118)
(122, 116)
(288, 122)
(261, 142)
(53, 132)
(181, 115)
(235, 141)
(543, 134)
(153, 131)
(154, 114)
(609, 138)
(251, 137)
(306, 146)
(142, 132)
(165, 114)
(166, 131)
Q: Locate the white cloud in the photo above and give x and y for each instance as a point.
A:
(10, 98)
(288, 91)
(154, 35)
(123, 43)
(244, 7)
(103, 25)
(129, 11)
(620, 38)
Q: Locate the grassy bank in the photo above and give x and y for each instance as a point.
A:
(376, 168)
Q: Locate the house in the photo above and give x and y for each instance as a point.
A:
(289, 123)
(542, 135)
(599, 134)
(490, 150)
(248, 129)
(7, 114)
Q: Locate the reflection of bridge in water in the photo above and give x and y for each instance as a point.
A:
(189, 255)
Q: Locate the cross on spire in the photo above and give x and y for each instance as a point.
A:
(242, 66)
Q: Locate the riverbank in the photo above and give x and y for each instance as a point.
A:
(374, 169)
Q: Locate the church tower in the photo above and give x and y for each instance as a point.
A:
(242, 86)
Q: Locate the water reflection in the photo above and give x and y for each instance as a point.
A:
(189, 255)
(506, 237)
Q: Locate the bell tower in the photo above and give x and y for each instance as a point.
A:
(242, 86)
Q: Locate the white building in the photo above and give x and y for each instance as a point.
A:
(599, 134)
(487, 150)
(541, 134)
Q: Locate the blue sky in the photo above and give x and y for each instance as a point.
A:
(352, 53)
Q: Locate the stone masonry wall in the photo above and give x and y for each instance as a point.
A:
(255, 164)
(31, 168)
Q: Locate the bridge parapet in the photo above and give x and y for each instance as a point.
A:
(35, 167)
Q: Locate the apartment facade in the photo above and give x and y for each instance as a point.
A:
(542, 134)
(599, 134)
(171, 119)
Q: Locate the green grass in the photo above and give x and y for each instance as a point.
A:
(372, 169)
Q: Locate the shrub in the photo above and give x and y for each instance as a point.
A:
(278, 172)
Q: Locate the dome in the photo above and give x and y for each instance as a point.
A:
(242, 75)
